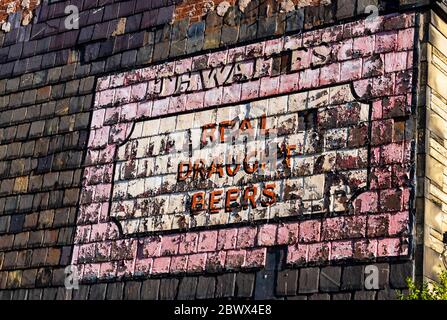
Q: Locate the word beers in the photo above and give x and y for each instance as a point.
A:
(234, 148)
(234, 198)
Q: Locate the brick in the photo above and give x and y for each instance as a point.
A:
(365, 295)
(115, 291)
(225, 285)
(387, 294)
(168, 289)
(287, 283)
(207, 241)
(309, 231)
(319, 252)
(246, 237)
(330, 279)
(244, 285)
(399, 273)
(287, 233)
(35, 294)
(149, 289)
(255, 258)
(206, 287)
(320, 296)
(341, 250)
(132, 290)
(341, 296)
(227, 239)
(309, 280)
(187, 288)
(352, 278)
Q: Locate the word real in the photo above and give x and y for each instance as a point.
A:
(252, 162)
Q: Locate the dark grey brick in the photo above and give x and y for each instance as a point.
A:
(187, 288)
(12, 84)
(330, 279)
(149, 289)
(49, 293)
(113, 62)
(35, 294)
(225, 285)
(20, 294)
(16, 224)
(320, 296)
(206, 287)
(168, 289)
(63, 294)
(132, 290)
(97, 67)
(81, 293)
(346, 9)
(384, 275)
(299, 297)
(144, 55)
(287, 283)
(245, 284)
(399, 274)
(115, 291)
(308, 280)
(387, 294)
(365, 295)
(133, 23)
(341, 296)
(129, 58)
(352, 278)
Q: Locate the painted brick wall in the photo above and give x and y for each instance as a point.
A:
(85, 113)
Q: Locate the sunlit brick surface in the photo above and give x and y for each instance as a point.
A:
(374, 58)
(323, 127)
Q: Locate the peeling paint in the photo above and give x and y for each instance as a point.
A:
(24, 8)
(222, 8)
(196, 10)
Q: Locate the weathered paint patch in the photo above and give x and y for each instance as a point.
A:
(376, 223)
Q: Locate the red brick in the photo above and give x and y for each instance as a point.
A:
(161, 265)
(287, 233)
(309, 231)
(366, 202)
(246, 237)
(364, 46)
(378, 225)
(207, 241)
(215, 261)
(107, 270)
(125, 268)
(178, 264)
(227, 239)
(395, 61)
(143, 266)
(297, 254)
(386, 41)
(188, 243)
(365, 249)
(235, 259)
(341, 250)
(333, 228)
(267, 235)
(196, 262)
(319, 252)
(399, 223)
(351, 70)
(391, 247)
(255, 258)
(151, 246)
(169, 245)
(330, 74)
